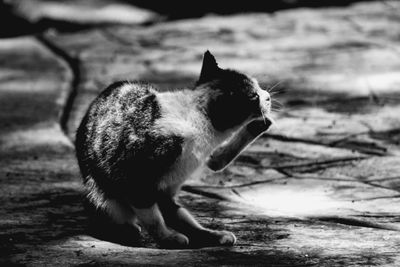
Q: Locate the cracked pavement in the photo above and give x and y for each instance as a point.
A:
(322, 188)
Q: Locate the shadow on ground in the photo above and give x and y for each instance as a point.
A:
(171, 10)
(178, 9)
(57, 226)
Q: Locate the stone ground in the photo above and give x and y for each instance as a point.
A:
(322, 188)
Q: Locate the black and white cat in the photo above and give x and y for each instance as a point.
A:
(136, 146)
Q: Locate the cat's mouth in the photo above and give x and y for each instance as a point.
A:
(265, 113)
(268, 119)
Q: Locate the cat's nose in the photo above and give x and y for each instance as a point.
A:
(267, 101)
(266, 97)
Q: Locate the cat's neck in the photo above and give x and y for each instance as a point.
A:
(186, 110)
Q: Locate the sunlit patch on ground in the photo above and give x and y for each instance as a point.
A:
(295, 200)
(318, 198)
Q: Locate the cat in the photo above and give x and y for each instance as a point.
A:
(136, 146)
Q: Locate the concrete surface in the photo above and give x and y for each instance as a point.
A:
(322, 188)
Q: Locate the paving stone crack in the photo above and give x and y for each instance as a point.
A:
(357, 222)
(380, 186)
(317, 163)
(201, 192)
(384, 179)
(73, 63)
(368, 148)
(377, 198)
(239, 185)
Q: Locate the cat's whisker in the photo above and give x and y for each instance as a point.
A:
(276, 106)
(274, 93)
(273, 122)
(276, 102)
(267, 117)
(270, 90)
(263, 116)
(277, 91)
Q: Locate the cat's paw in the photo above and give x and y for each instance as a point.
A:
(215, 164)
(207, 238)
(175, 240)
(224, 238)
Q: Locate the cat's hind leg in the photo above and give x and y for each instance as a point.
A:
(114, 222)
(152, 219)
(121, 213)
(181, 220)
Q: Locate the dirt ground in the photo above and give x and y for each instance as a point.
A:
(321, 188)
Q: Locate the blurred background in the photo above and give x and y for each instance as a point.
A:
(320, 188)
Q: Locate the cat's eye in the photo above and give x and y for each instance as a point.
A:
(254, 97)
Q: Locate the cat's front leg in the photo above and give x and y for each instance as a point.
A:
(152, 219)
(226, 153)
(181, 220)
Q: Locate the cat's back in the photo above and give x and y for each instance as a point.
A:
(124, 109)
(119, 100)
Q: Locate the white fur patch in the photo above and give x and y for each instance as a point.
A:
(181, 117)
(126, 88)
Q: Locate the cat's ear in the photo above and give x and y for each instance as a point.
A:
(209, 70)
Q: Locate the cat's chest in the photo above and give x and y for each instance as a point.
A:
(195, 150)
(181, 117)
(198, 136)
(192, 159)
(196, 132)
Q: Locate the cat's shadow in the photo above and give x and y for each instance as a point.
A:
(122, 235)
(61, 214)
(102, 228)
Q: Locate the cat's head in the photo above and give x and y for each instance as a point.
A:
(233, 97)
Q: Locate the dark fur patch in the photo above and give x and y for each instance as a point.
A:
(117, 148)
(230, 105)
